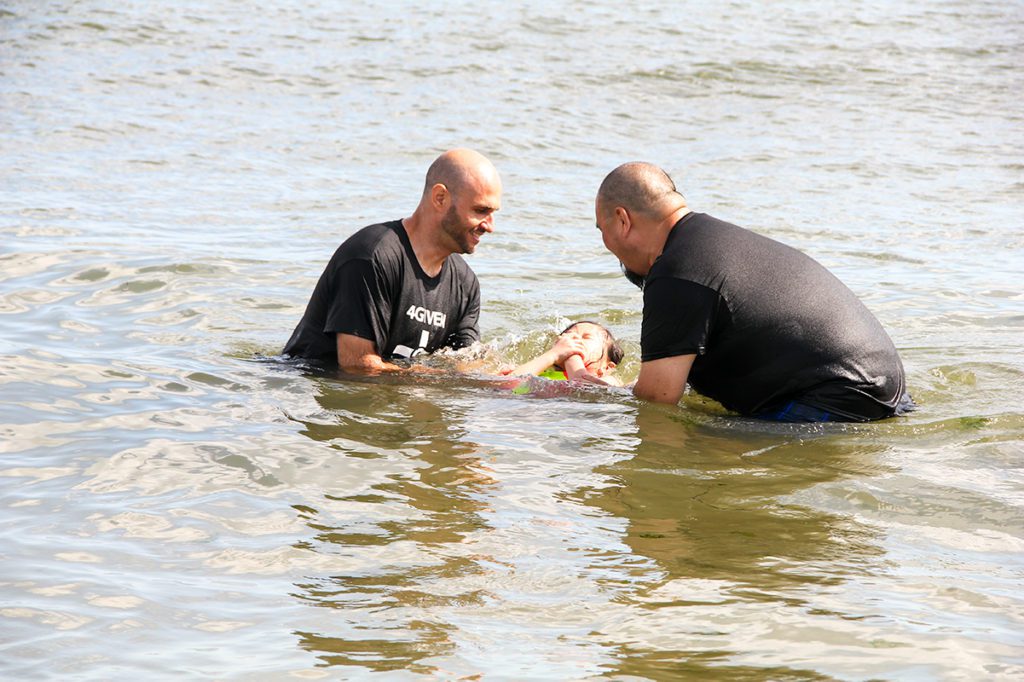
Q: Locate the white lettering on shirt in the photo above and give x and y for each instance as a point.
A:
(421, 314)
(403, 351)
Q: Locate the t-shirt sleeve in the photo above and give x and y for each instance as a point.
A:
(677, 318)
(360, 303)
(467, 332)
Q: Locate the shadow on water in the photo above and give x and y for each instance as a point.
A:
(425, 502)
(707, 501)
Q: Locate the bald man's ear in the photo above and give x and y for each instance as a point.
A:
(439, 197)
(623, 220)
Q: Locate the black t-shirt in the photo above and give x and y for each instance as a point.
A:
(374, 288)
(768, 325)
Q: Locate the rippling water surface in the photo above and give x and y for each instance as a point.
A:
(176, 503)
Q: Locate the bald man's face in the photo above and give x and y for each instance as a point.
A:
(609, 224)
(470, 214)
(614, 224)
(604, 224)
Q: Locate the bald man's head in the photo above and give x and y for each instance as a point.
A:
(639, 188)
(457, 169)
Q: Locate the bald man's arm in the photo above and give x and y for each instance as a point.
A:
(359, 355)
(663, 381)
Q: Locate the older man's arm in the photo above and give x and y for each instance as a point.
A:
(663, 381)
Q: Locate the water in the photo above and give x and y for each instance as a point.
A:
(173, 177)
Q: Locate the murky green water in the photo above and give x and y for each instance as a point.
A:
(174, 504)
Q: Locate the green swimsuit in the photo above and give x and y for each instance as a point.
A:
(549, 373)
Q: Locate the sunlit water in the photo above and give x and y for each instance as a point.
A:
(177, 503)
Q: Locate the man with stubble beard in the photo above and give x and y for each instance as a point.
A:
(400, 289)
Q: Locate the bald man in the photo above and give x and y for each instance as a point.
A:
(758, 326)
(400, 289)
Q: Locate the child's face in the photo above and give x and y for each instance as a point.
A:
(595, 340)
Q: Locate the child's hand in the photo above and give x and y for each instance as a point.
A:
(565, 347)
(574, 367)
(575, 370)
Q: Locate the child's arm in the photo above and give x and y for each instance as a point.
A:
(575, 370)
(563, 351)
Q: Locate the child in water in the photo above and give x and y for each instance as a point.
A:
(582, 348)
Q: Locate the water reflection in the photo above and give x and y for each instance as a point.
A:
(681, 529)
(386, 611)
(709, 505)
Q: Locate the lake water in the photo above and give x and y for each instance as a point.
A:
(174, 503)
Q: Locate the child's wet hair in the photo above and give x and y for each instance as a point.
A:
(614, 350)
